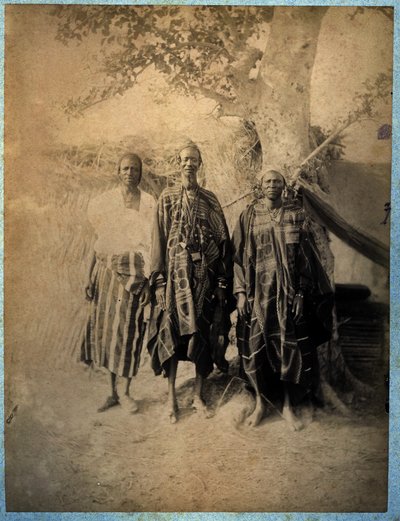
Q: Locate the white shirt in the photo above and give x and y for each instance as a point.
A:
(120, 229)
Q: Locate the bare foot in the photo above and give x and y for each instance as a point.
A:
(129, 404)
(198, 405)
(222, 364)
(257, 415)
(294, 423)
(308, 414)
(173, 412)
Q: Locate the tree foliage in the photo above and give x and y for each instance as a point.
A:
(199, 49)
(388, 12)
(216, 52)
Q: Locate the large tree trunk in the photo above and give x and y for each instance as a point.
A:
(282, 115)
(282, 119)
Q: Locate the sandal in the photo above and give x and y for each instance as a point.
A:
(129, 404)
(110, 402)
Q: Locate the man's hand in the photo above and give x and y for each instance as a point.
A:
(220, 295)
(145, 295)
(242, 305)
(160, 297)
(89, 290)
(297, 309)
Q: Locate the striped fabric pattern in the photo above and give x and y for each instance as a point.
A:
(128, 267)
(189, 284)
(115, 328)
(273, 259)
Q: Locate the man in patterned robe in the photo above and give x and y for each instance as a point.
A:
(284, 298)
(190, 269)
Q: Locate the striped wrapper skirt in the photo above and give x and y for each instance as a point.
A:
(115, 328)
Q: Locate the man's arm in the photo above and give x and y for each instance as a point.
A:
(89, 286)
(224, 266)
(239, 281)
(305, 272)
(158, 276)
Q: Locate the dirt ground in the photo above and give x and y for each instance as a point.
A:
(61, 455)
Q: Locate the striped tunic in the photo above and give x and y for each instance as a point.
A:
(274, 257)
(190, 252)
(115, 328)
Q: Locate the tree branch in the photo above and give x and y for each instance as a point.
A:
(224, 103)
(182, 45)
(228, 20)
(296, 178)
(246, 25)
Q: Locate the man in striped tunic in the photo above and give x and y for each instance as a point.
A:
(284, 298)
(190, 269)
(117, 285)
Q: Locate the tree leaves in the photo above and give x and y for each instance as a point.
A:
(388, 12)
(375, 91)
(196, 48)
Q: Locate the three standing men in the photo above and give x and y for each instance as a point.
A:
(284, 298)
(190, 271)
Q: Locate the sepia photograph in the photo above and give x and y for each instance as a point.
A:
(197, 206)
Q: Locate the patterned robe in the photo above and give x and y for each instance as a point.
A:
(190, 252)
(275, 256)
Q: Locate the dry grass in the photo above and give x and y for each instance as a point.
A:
(48, 296)
(49, 289)
(47, 306)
